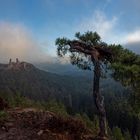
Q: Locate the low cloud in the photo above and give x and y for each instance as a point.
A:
(134, 46)
(16, 41)
(132, 37)
(131, 41)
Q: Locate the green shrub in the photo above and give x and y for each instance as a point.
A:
(55, 107)
(17, 100)
(3, 115)
(117, 134)
(92, 125)
(127, 135)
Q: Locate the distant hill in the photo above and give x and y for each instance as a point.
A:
(63, 69)
(36, 84)
(25, 79)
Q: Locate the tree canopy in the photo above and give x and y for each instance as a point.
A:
(81, 48)
(126, 68)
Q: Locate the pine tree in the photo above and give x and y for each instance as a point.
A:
(88, 52)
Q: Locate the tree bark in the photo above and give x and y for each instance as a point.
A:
(99, 100)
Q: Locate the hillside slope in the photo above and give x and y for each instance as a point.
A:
(30, 123)
(40, 85)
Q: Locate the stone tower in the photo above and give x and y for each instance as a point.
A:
(17, 61)
(10, 61)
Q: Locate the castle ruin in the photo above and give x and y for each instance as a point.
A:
(17, 65)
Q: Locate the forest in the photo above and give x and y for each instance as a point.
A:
(106, 98)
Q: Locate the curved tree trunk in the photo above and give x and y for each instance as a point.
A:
(99, 100)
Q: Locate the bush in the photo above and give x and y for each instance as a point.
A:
(117, 134)
(3, 116)
(92, 125)
(55, 107)
(18, 100)
(127, 135)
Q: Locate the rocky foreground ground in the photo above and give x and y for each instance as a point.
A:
(31, 124)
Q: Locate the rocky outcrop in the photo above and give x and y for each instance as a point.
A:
(32, 124)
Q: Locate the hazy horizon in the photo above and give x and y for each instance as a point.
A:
(28, 28)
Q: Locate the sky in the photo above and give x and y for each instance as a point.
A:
(29, 28)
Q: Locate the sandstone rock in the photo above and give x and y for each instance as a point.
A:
(40, 132)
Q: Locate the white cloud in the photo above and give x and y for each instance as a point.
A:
(109, 30)
(99, 23)
(16, 41)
